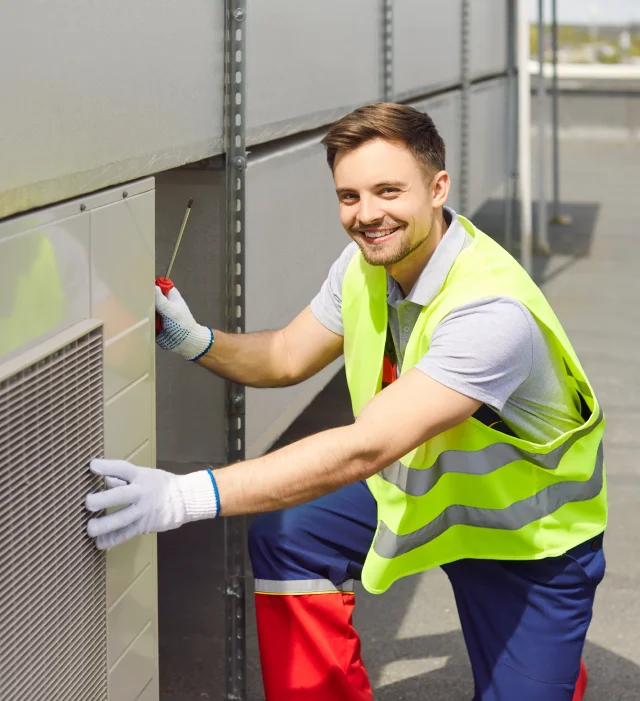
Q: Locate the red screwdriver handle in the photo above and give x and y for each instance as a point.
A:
(165, 286)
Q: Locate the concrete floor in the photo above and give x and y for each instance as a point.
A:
(411, 638)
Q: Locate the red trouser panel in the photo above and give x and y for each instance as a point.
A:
(309, 650)
(581, 684)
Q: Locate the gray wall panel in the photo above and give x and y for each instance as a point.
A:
(293, 237)
(309, 63)
(191, 400)
(426, 46)
(488, 37)
(487, 145)
(445, 112)
(103, 92)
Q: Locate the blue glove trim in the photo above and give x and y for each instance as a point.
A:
(215, 492)
(206, 350)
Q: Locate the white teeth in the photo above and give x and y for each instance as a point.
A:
(379, 234)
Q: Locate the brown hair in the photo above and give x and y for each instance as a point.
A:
(393, 122)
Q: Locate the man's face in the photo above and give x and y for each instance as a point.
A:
(386, 201)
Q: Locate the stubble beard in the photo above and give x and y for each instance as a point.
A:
(389, 255)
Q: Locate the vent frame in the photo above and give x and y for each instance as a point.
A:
(53, 615)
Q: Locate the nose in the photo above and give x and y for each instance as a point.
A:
(369, 211)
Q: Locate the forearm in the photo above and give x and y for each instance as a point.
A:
(297, 473)
(253, 359)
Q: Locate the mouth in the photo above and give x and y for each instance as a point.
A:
(378, 236)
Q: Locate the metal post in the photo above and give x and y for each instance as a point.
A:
(465, 101)
(554, 106)
(387, 49)
(236, 164)
(543, 229)
(511, 120)
(556, 216)
(524, 136)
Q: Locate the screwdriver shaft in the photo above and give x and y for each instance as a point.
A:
(175, 248)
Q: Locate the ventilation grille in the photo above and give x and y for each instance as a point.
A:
(52, 579)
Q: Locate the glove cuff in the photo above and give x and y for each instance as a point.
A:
(199, 496)
(197, 343)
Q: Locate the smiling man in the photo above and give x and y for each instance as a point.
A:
(477, 445)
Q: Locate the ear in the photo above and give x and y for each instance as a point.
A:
(440, 185)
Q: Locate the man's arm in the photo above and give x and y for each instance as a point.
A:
(274, 358)
(406, 414)
(264, 359)
(400, 418)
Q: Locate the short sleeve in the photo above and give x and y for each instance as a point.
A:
(327, 304)
(483, 350)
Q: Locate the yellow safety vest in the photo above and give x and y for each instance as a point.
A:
(472, 491)
(37, 303)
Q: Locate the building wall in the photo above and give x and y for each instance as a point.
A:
(108, 93)
(102, 256)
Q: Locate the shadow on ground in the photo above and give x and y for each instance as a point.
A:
(611, 676)
(568, 243)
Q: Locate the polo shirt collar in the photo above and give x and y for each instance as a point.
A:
(431, 279)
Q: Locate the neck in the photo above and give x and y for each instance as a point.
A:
(408, 270)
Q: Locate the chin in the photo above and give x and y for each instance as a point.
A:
(382, 256)
(379, 258)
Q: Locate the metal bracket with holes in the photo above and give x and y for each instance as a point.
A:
(465, 98)
(387, 50)
(235, 164)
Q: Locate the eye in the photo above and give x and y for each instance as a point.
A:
(389, 191)
(348, 197)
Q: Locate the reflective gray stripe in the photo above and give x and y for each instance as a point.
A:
(548, 500)
(417, 482)
(300, 586)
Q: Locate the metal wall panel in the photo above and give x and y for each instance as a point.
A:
(122, 267)
(103, 249)
(445, 112)
(487, 143)
(104, 92)
(36, 264)
(191, 400)
(426, 46)
(488, 41)
(136, 670)
(130, 616)
(309, 63)
(293, 237)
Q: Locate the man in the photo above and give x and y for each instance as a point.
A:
(484, 456)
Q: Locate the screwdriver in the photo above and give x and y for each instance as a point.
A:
(165, 283)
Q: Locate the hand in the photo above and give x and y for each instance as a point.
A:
(180, 332)
(154, 500)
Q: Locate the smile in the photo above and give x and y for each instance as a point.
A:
(380, 235)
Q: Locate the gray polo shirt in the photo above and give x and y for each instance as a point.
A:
(492, 350)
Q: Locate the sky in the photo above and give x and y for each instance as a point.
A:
(584, 11)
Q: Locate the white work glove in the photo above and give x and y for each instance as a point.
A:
(154, 500)
(180, 332)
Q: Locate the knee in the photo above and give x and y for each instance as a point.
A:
(272, 544)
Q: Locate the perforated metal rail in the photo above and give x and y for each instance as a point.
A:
(236, 165)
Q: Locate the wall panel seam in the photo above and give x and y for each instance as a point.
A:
(130, 587)
(122, 334)
(124, 654)
(130, 386)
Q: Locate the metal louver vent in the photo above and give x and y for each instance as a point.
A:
(52, 579)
